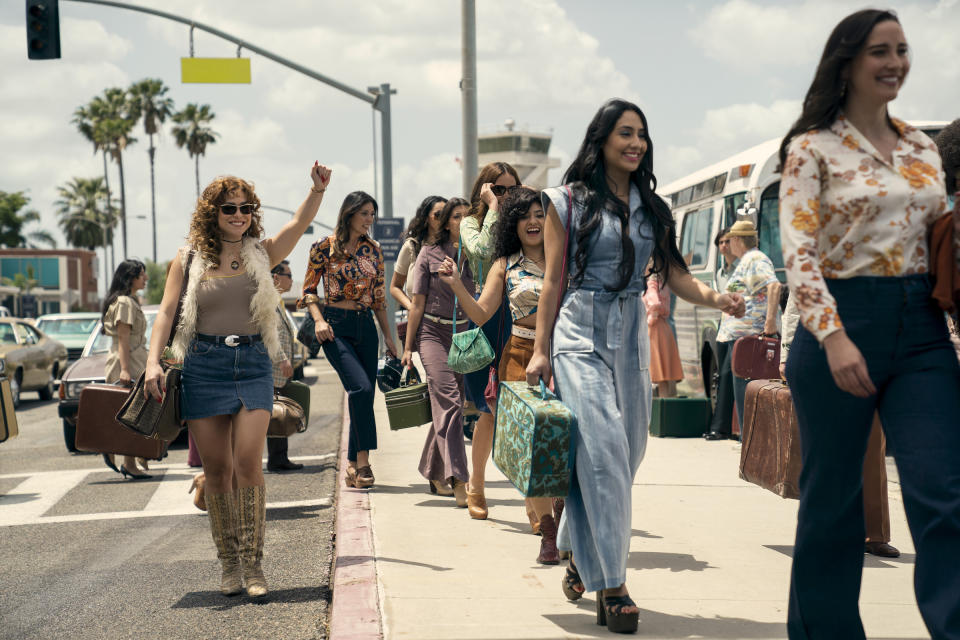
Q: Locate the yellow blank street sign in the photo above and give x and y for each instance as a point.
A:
(215, 70)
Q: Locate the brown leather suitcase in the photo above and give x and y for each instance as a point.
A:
(99, 431)
(756, 358)
(770, 444)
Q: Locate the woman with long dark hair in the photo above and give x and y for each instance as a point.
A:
(425, 225)
(859, 194)
(226, 337)
(430, 332)
(476, 236)
(349, 263)
(123, 320)
(600, 346)
(517, 272)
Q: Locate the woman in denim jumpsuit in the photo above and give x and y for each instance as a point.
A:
(600, 346)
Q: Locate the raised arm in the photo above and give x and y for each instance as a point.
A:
(482, 309)
(279, 246)
(477, 237)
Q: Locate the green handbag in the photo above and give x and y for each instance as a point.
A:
(409, 404)
(470, 350)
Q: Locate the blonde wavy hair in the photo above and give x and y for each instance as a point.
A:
(204, 235)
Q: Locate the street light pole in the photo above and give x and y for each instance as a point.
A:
(103, 235)
(468, 92)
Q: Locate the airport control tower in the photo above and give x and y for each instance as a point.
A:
(526, 151)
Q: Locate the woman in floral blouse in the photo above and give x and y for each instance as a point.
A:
(859, 192)
(350, 265)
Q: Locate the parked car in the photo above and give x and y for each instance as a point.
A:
(31, 359)
(72, 329)
(300, 353)
(90, 368)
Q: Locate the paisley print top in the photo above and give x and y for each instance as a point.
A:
(847, 212)
(358, 277)
(524, 285)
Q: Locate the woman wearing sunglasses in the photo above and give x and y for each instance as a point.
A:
(350, 265)
(476, 238)
(226, 336)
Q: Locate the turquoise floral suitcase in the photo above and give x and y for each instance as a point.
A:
(533, 440)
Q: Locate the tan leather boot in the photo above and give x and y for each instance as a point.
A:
(253, 515)
(477, 504)
(222, 510)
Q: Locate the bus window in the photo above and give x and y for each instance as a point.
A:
(695, 239)
(769, 231)
(730, 205)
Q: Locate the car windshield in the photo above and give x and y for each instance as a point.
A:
(102, 342)
(68, 326)
(7, 335)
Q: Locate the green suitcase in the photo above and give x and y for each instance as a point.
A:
(679, 417)
(408, 405)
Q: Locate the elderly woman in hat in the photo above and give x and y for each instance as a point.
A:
(753, 278)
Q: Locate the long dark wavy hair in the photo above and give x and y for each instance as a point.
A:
(514, 206)
(419, 229)
(827, 93)
(448, 208)
(587, 175)
(351, 206)
(122, 283)
(489, 173)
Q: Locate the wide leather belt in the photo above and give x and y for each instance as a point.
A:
(524, 332)
(231, 340)
(433, 318)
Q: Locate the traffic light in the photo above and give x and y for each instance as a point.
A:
(43, 29)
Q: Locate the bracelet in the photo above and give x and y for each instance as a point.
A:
(315, 190)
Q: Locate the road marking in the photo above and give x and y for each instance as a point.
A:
(40, 491)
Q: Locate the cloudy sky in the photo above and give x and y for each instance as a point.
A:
(713, 77)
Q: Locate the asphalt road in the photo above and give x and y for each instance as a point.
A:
(86, 554)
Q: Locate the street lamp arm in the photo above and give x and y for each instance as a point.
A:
(356, 93)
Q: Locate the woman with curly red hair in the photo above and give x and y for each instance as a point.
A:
(225, 337)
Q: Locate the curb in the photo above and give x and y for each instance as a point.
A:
(355, 611)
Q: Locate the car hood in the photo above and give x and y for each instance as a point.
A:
(85, 368)
(70, 340)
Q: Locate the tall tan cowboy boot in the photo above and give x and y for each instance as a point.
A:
(222, 509)
(253, 515)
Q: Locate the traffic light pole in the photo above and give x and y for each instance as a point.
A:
(379, 100)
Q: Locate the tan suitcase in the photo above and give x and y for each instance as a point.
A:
(99, 431)
(8, 424)
(770, 445)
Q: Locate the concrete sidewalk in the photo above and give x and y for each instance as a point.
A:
(709, 558)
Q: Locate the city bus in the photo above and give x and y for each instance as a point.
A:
(744, 186)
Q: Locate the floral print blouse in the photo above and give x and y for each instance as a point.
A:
(358, 277)
(847, 212)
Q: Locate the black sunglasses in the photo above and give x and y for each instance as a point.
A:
(499, 189)
(228, 208)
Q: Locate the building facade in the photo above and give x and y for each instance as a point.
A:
(66, 280)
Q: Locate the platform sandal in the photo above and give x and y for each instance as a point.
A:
(571, 580)
(610, 613)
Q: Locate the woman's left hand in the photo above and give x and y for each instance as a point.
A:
(732, 304)
(448, 271)
(320, 175)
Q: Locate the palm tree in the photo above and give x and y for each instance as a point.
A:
(85, 216)
(12, 221)
(148, 101)
(191, 131)
(113, 130)
(86, 118)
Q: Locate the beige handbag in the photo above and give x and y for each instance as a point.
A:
(287, 418)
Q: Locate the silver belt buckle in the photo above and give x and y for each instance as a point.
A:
(232, 341)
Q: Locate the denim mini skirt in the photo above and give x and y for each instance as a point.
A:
(220, 380)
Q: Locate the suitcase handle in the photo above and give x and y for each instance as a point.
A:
(543, 389)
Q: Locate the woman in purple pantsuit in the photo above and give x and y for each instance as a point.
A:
(430, 330)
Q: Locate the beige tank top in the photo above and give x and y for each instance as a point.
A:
(223, 305)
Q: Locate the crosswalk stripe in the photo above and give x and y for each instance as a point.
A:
(48, 489)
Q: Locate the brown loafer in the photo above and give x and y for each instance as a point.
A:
(365, 477)
(477, 505)
(882, 549)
